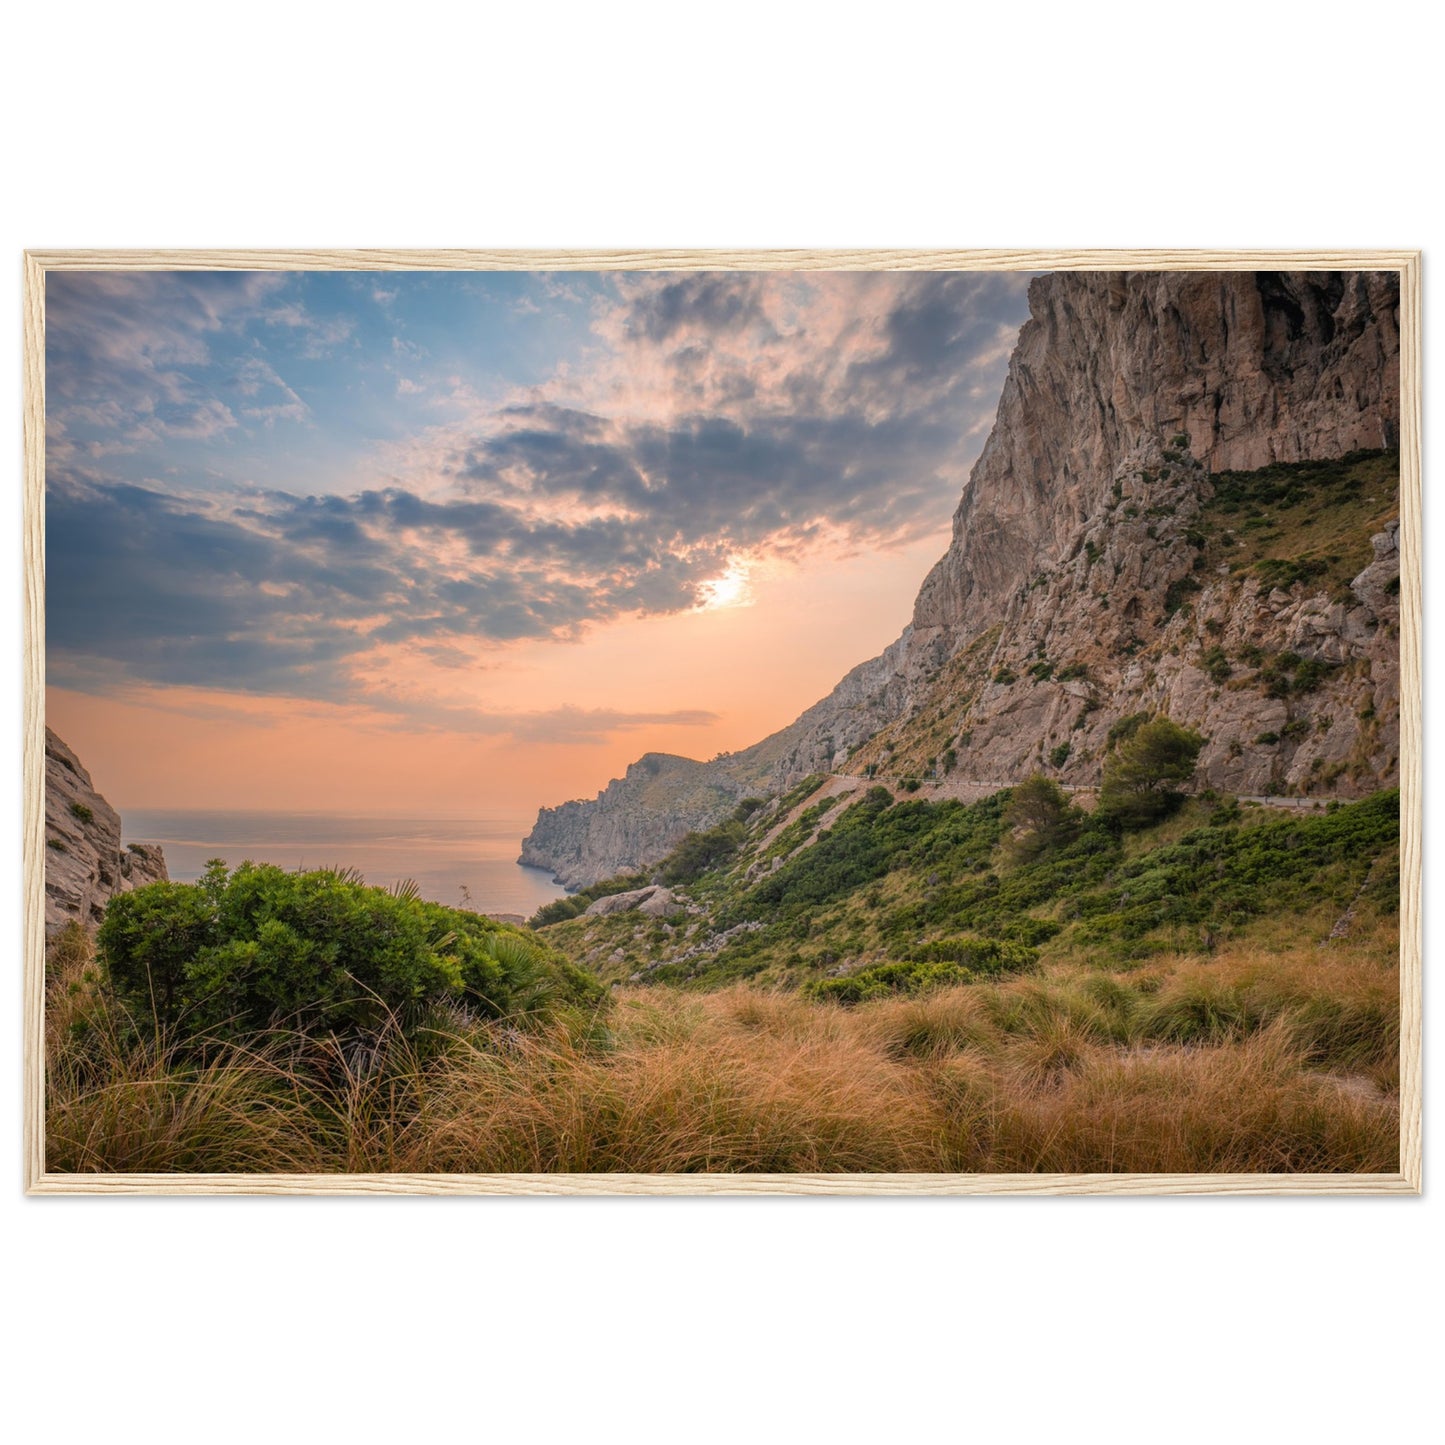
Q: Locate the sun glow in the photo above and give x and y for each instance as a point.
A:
(730, 590)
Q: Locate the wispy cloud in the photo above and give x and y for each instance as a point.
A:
(322, 335)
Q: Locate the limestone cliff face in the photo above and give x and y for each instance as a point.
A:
(1076, 551)
(1249, 367)
(1220, 371)
(85, 863)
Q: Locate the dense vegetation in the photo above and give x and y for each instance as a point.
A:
(895, 882)
(1270, 1057)
(317, 951)
(1300, 521)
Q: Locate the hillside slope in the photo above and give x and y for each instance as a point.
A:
(1148, 528)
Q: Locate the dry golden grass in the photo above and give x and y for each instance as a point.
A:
(1265, 1058)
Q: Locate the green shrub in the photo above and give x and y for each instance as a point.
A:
(81, 811)
(984, 956)
(887, 980)
(946, 964)
(241, 951)
(1060, 755)
(1216, 664)
(700, 852)
(1177, 592)
(1311, 672)
(1125, 728)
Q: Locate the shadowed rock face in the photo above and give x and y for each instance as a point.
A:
(85, 863)
(1126, 391)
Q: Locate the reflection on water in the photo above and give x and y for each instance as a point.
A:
(464, 862)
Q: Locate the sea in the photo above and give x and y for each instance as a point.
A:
(462, 862)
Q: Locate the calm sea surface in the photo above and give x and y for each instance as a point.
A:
(463, 862)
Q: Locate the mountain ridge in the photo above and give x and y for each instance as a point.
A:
(1093, 571)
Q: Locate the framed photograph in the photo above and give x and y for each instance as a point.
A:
(723, 722)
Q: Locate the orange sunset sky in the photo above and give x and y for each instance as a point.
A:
(444, 544)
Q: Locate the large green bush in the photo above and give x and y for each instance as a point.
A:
(245, 950)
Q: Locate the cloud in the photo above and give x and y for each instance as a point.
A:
(718, 420)
(138, 360)
(321, 334)
(715, 303)
(565, 725)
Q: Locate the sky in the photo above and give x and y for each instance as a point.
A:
(466, 544)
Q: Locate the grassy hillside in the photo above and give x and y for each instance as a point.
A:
(1300, 522)
(1272, 1057)
(887, 882)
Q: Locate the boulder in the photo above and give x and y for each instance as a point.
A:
(655, 901)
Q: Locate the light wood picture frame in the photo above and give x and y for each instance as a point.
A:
(1407, 1180)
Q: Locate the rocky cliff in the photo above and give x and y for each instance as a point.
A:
(635, 820)
(85, 863)
(1187, 504)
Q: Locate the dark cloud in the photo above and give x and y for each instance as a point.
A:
(715, 301)
(942, 324)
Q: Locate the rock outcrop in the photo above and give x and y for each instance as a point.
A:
(653, 902)
(1248, 368)
(1080, 584)
(85, 861)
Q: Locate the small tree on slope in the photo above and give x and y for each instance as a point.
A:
(1038, 819)
(1144, 775)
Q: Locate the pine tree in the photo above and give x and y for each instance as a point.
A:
(1142, 777)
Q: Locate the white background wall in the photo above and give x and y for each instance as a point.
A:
(751, 124)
